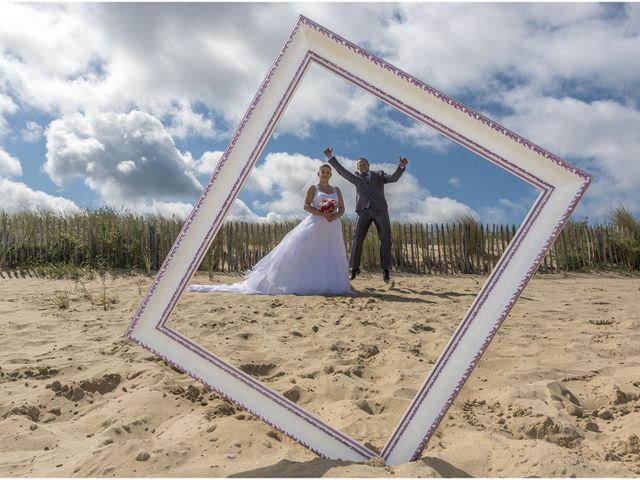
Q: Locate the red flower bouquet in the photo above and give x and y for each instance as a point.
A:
(329, 205)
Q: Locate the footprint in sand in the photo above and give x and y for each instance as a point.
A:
(364, 406)
(421, 327)
(367, 351)
(294, 394)
(33, 413)
(102, 385)
(257, 369)
(220, 409)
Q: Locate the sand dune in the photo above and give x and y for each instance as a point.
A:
(556, 394)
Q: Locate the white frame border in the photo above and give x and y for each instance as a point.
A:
(561, 186)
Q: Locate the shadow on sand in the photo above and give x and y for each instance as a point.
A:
(388, 296)
(288, 469)
(444, 469)
(318, 467)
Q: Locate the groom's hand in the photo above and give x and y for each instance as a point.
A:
(403, 162)
(328, 152)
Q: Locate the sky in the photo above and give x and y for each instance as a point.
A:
(132, 105)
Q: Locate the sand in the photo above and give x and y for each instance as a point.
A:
(556, 393)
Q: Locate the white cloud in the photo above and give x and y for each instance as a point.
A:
(507, 211)
(207, 163)
(185, 122)
(128, 160)
(32, 132)
(7, 107)
(436, 210)
(282, 176)
(495, 215)
(164, 209)
(122, 157)
(9, 165)
(126, 166)
(325, 98)
(414, 133)
(134, 55)
(467, 46)
(454, 182)
(49, 55)
(17, 196)
(514, 206)
(242, 213)
(282, 171)
(600, 136)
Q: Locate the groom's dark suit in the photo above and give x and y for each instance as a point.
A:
(371, 206)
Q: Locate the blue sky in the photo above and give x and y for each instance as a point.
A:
(131, 105)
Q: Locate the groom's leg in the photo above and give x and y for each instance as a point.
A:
(362, 227)
(383, 225)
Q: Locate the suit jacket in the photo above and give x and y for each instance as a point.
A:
(369, 194)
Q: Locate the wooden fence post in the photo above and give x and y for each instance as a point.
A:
(492, 263)
(432, 263)
(443, 245)
(464, 247)
(439, 244)
(565, 257)
(415, 266)
(422, 241)
(5, 242)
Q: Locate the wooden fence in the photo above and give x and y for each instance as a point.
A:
(132, 242)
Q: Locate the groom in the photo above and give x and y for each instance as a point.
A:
(371, 206)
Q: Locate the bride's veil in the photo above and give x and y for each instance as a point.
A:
(313, 180)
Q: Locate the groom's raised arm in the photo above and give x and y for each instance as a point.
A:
(395, 176)
(333, 161)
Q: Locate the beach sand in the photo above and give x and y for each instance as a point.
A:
(557, 393)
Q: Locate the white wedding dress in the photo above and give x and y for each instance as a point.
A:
(310, 260)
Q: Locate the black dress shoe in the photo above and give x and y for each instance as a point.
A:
(385, 276)
(354, 272)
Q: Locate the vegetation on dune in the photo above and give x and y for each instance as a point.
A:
(626, 235)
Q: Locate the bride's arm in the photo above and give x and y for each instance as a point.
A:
(307, 203)
(341, 208)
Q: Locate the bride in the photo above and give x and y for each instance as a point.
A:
(310, 260)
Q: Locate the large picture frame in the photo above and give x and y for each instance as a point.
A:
(560, 184)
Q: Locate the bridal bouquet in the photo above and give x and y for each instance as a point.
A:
(329, 205)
